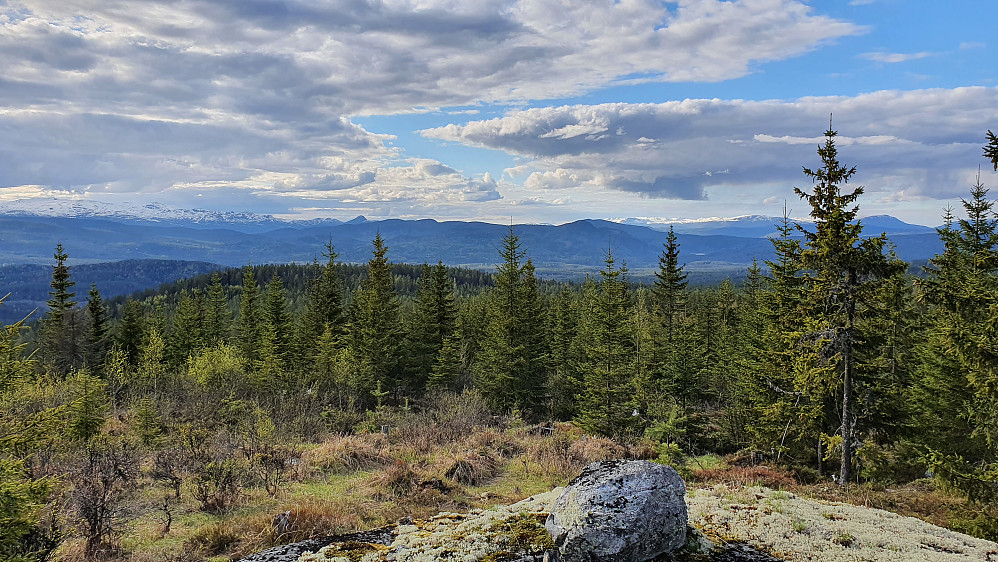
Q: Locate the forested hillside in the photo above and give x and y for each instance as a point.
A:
(28, 284)
(829, 360)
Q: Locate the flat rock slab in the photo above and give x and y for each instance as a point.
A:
(291, 552)
(625, 511)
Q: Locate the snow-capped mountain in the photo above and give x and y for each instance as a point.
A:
(151, 213)
(758, 226)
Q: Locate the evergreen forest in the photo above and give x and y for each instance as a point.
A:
(830, 364)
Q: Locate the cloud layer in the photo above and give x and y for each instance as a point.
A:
(918, 144)
(167, 97)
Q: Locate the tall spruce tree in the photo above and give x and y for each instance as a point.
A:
(376, 329)
(131, 331)
(216, 312)
(670, 286)
(842, 270)
(434, 322)
(959, 371)
(564, 381)
(62, 329)
(249, 326)
(277, 320)
(323, 308)
(98, 332)
(187, 332)
(510, 370)
(607, 363)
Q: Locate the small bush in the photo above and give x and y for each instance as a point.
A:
(218, 484)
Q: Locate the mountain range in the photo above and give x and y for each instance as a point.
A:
(90, 233)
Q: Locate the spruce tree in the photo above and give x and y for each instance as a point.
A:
(607, 362)
(376, 330)
(843, 268)
(277, 319)
(249, 326)
(447, 370)
(323, 308)
(510, 367)
(670, 285)
(61, 331)
(98, 333)
(991, 150)
(216, 313)
(532, 388)
(434, 321)
(959, 370)
(187, 333)
(564, 380)
(132, 330)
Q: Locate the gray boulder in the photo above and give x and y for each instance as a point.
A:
(625, 511)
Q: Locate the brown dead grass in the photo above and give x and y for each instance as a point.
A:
(347, 453)
(759, 475)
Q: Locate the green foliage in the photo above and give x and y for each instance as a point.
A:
(434, 322)
(98, 333)
(607, 362)
(958, 385)
(218, 483)
(843, 269)
(131, 330)
(22, 501)
(375, 329)
(219, 366)
(88, 407)
(250, 323)
(510, 367)
(148, 423)
(991, 150)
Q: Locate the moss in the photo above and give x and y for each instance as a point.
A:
(524, 534)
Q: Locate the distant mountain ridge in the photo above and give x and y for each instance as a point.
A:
(94, 232)
(151, 213)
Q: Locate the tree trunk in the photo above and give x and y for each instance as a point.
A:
(846, 415)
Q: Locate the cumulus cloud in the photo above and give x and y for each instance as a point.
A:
(919, 142)
(123, 96)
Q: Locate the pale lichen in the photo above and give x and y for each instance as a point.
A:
(793, 528)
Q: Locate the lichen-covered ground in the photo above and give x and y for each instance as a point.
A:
(776, 522)
(794, 528)
(501, 533)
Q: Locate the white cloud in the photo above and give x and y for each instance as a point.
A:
(163, 97)
(918, 142)
(893, 58)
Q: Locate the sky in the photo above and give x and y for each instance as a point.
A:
(530, 111)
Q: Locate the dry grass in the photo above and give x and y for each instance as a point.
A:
(759, 475)
(592, 449)
(394, 481)
(347, 453)
(472, 469)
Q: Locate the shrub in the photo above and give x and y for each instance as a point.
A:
(218, 483)
(101, 483)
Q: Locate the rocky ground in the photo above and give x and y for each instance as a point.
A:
(794, 528)
(746, 524)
